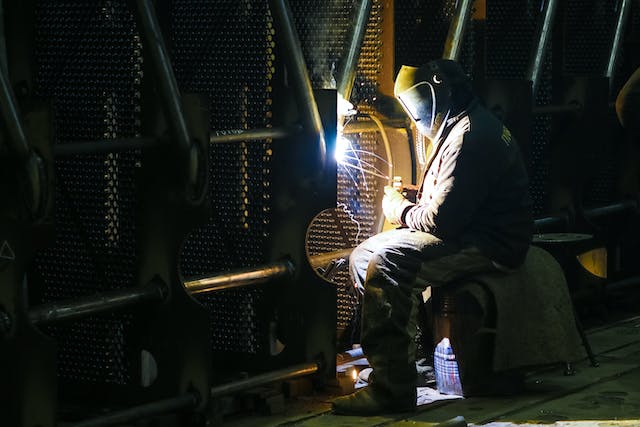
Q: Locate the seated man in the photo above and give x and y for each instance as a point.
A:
(472, 215)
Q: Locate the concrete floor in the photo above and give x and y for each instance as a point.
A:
(607, 395)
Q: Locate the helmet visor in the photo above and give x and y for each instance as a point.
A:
(419, 103)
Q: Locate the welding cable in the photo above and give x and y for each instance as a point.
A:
(387, 146)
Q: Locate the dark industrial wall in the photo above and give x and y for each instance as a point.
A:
(88, 64)
(225, 51)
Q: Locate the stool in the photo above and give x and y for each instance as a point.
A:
(502, 323)
(565, 248)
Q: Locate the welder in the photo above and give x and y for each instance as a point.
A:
(472, 214)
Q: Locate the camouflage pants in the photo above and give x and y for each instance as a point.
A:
(391, 270)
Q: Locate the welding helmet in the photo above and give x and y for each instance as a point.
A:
(433, 93)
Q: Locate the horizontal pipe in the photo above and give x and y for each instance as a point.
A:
(371, 126)
(240, 278)
(324, 258)
(618, 34)
(164, 406)
(237, 135)
(102, 146)
(95, 304)
(296, 371)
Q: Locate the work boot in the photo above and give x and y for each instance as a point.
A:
(372, 401)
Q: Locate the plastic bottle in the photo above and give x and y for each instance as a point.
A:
(445, 366)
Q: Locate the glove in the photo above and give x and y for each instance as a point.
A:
(394, 205)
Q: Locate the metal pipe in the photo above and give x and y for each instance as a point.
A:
(185, 401)
(457, 30)
(551, 222)
(298, 74)
(347, 74)
(359, 126)
(323, 259)
(623, 13)
(591, 213)
(95, 304)
(296, 371)
(102, 146)
(237, 135)
(611, 209)
(240, 278)
(543, 32)
(167, 85)
(15, 132)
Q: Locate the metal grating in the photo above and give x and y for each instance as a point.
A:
(588, 36)
(88, 59)
(421, 29)
(353, 220)
(224, 50)
(510, 33)
(323, 29)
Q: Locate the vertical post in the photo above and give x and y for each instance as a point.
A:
(297, 68)
(347, 74)
(624, 6)
(457, 29)
(543, 34)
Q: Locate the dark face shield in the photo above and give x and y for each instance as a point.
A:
(420, 102)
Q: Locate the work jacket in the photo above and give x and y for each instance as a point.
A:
(475, 189)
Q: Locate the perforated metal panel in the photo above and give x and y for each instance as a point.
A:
(421, 29)
(224, 50)
(588, 35)
(510, 37)
(88, 60)
(588, 40)
(323, 28)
